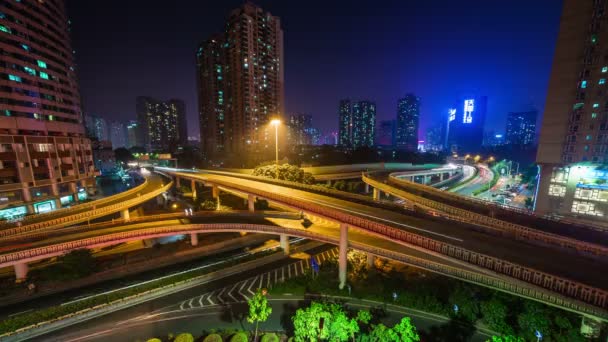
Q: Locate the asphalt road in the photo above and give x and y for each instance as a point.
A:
(480, 182)
(222, 305)
(546, 259)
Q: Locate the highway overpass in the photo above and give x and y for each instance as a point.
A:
(547, 266)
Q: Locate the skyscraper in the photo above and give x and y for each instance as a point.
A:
(134, 137)
(386, 133)
(299, 129)
(163, 123)
(521, 128)
(118, 134)
(408, 116)
(345, 124)
(44, 155)
(364, 124)
(465, 131)
(573, 142)
(250, 54)
(97, 126)
(435, 138)
(211, 85)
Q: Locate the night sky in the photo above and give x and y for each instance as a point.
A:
(377, 50)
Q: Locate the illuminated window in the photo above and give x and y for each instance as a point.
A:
(51, 118)
(41, 64)
(25, 47)
(588, 137)
(14, 78)
(44, 75)
(584, 84)
(586, 148)
(596, 105)
(30, 71)
(593, 115)
(5, 29)
(605, 69)
(593, 38)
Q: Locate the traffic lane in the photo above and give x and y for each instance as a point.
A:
(546, 259)
(233, 316)
(114, 319)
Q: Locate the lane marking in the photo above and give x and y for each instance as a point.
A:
(230, 292)
(252, 283)
(219, 296)
(200, 300)
(209, 298)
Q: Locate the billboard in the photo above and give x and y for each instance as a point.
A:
(469, 107)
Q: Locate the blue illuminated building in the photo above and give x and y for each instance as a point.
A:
(466, 124)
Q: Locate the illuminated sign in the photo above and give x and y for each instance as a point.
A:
(13, 213)
(82, 196)
(469, 107)
(452, 114)
(44, 207)
(66, 199)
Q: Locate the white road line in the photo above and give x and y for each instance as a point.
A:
(249, 288)
(190, 302)
(261, 281)
(241, 289)
(282, 274)
(302, 265)
(181, 306)
(209, 298)
(335, 252)
(230, 292)
(276, 276)
(268, 280)
(200, 300)
(321, 257)
(219, 296)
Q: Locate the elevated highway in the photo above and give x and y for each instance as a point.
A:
(551, 266)
(432, 257)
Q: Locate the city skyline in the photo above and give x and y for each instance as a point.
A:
(453, 70)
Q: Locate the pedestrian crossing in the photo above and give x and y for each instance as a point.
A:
(243, 291)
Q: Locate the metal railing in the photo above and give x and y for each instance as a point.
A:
(495, 225)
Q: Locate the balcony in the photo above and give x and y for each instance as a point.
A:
(67, 166)
(8, 156)
(39, 155)
(8, 173)
(64, 154)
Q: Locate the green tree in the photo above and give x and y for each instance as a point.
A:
(184, 337)
(310, 323)
(506, 338)
(259, 310)
(341, 327)
(468, 306)
(494, 314)
(239, 337)
(213, 338)
(534, 317)
(270, 337)
(406, 331)
(382, 333)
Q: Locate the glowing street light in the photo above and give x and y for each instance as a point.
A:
(276, 123)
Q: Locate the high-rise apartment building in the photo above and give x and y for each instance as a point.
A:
(134, 137)
(386, 133)
(240, 80)
(45, 158)
(521, 128)
(163, 124)
(573, 142)
(465, 127)
(97, 127)
(357, 126)
(408, 117)
(300, 126)
(118, 134)
(435, 138)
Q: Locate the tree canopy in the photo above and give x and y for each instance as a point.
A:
(287, 172)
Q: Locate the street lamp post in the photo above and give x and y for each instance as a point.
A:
(276, 123)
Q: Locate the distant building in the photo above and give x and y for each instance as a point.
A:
(299, 129)
(493, 139)
(465, 131)
(103, 155)
(330, 138)
(314, 135)
(163, 123)
(97, 126)
(521, 128)
(386, 133)
(240, 81)
(435, 138)
(118, 134)
(345, 124)
(357, 123)
(408, 117)
(134, 134)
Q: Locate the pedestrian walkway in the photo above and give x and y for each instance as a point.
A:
(244, 290)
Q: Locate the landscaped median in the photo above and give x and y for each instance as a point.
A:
(28, 325)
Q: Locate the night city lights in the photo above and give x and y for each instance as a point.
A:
(276, 171)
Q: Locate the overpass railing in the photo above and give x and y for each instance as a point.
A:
(77, 207)
(495, 225)
(564, 286)
(536, 285)
(87, 215)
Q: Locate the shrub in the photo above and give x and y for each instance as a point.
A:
(239, 337)
(213, 338)
(270, 337)
(154, 340)
(184, 337)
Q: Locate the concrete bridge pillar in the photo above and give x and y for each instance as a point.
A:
(285, 243)
(376, 194)
(193, 187)
(251, 203)
(343, 249)
(124, 214)
(426, 179)
(215, 191)
(441, 177)
(194, 239)
(591, 327)
(178, 182)
(366, 188)
(21, 272)
(371, 260)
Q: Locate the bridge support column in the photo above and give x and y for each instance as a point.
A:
(194, 239)
(441, 177)
(21, 272)
(371, 260)
(124, 214)
(178, 182)
(591, 327)
(376, 194)
(366, 188)
(343, 249)
(251, 203)
(215, 191)
(285, 243)
(193, 187)
(426, 179)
